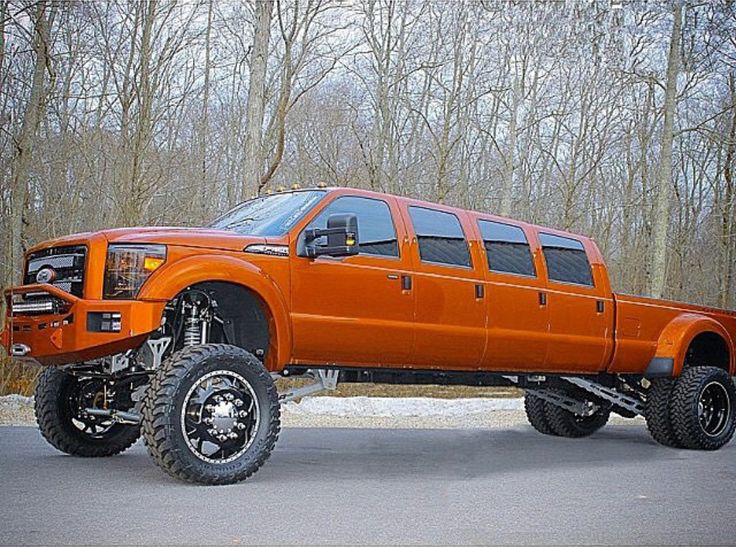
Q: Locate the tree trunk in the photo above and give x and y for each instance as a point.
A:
(664, 170)
(728, 208)
(257, 97)
(34, 111)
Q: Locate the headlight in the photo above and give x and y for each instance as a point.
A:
(128, 267)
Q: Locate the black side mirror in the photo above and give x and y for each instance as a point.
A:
(342, 237)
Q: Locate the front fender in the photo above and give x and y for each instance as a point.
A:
(679, 333)
(174, 277)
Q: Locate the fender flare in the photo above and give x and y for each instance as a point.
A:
(171, 279)
(676, 337)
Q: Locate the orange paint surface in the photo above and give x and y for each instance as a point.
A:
(357, 310)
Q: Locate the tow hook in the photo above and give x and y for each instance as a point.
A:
(19, 350)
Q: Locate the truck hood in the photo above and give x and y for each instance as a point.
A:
(206, 238)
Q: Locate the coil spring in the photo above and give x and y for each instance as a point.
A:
(192, 331)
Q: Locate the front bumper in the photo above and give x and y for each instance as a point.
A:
(65, 337)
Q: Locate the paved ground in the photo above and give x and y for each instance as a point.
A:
(382, 486)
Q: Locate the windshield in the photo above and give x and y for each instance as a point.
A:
(270, 215)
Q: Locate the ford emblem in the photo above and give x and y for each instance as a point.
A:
(45, 275)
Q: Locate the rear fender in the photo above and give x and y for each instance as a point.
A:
(171, 279)
(679, 333)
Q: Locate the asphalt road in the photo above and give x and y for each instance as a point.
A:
(382, 486)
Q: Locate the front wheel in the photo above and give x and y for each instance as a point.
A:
(61, 403)
(211, 415)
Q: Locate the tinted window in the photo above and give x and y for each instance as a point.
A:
(440, 237)
(507, 248)
(566, 260)
(376, 232)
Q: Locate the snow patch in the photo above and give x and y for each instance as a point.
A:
(16, 401)
(400, 406)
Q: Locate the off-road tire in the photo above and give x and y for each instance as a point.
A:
(684, 404)
(536, 413)
(54, 417)
(657, 412)
(566, 424)
(162, 407)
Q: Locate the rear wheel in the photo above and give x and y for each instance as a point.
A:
(567, 424)
(536, 413)
(60, 403)
(211, 414)
(702, 408)
(657, 412)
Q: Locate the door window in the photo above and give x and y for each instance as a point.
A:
(507, 248)
(566, 260)
(376, 231)
(440, 237)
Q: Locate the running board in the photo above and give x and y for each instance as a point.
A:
(611, 395)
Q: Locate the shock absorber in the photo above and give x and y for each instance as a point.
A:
(196, 309)
(192, 331)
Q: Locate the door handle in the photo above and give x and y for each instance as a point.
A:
(405, 282)
(542, 298)
(479, 291)
(393, 276)
(600, 306)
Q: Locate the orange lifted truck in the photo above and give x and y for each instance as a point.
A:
(179, 333)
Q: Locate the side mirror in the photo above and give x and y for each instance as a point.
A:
(341, 234)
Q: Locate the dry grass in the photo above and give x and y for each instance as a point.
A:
(16, 377)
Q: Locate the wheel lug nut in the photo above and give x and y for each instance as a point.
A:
(229, 397)
(212, 431)
(209, 408)
(238, 402)
(208, 421)
(242, 414)
(233, 435)
(240, 426)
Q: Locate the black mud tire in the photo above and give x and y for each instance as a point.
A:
(163, 405)
(54, 416)
(566, 424)
(692, 386)
(657, 412)
(536, 413)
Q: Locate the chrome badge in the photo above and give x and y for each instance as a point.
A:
(45, 275)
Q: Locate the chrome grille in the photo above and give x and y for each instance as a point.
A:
(67, 264)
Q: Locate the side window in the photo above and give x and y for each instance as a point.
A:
(440, 237)
(507, 248)
(566, 260)
(376, 232)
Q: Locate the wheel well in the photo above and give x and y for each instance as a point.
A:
(708, 349)
(246, 319)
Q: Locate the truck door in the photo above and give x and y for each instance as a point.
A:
(450, 312)
(580, 308)
(355, 310)
(517, 316)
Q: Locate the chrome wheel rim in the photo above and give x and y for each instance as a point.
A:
(220, 416)
(714, 409)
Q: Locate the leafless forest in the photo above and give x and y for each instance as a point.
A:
(611, 118)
